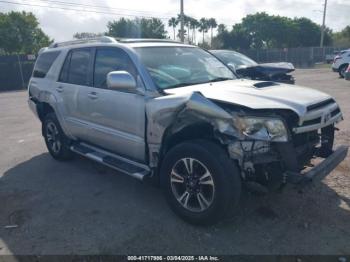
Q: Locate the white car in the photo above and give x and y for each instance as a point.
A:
(341, 62)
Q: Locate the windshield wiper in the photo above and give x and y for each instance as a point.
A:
(181, 85)
(218, 79)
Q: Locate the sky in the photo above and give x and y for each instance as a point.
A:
(62, 24)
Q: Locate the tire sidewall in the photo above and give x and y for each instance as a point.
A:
(223, 180)
(63, 152)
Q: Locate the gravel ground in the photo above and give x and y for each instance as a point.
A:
(79, 207)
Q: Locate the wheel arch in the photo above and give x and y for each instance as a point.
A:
(43, 108)
(191, 132)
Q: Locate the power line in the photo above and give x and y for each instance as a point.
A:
(61, 5)
(94, 6)
(83, 10)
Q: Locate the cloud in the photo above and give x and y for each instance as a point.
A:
(62, 24)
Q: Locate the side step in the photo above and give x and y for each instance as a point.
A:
(111, 160)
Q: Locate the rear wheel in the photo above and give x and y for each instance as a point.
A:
(200, 182)
(56, 141)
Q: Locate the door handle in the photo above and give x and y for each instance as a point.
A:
(59, 89)
(93, 95)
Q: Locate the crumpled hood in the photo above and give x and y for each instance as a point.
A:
(246, 93)
(288, 67)
(268, 69)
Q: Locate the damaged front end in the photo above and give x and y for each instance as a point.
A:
(262, 142)
(167, 115)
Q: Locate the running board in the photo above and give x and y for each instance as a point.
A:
(111, 160)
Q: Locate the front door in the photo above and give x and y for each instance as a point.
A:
(117, 118)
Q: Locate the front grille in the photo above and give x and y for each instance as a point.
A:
(312, 122)
(318, 120)
(335, 112)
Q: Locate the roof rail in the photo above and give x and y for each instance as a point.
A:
(145, 40)
(101, 39)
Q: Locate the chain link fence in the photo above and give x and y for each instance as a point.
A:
(15, 71)
(301, 57)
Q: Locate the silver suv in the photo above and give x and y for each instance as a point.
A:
(173, 114)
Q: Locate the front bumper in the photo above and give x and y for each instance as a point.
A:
(322, 169)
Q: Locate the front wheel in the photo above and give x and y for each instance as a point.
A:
(200, 182)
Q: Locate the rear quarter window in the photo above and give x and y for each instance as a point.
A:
(44, 63)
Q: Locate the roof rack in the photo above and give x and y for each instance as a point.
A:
(145, 40)
(102, 39)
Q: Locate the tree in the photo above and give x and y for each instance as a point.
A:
(203, 26)
(261, 30)
(212, 24)
(20, 33)
(194, 25)
(173, 22)
(342, 38)
(137, 28)
(308, 33)
(84, 35)
(187, 24)
(221, 28)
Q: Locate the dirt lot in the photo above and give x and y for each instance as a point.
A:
(81, 207)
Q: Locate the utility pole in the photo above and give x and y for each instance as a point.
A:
(323, 23)
(182, 21)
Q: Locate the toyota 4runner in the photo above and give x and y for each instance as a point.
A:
(174, 114)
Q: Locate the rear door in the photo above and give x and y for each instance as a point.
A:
(117, 117)
(75, 81)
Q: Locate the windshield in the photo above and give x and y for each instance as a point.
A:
(172, 67)
(235, 58)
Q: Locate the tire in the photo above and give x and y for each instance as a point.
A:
(209, 198)
(342, 70)
(56, 141)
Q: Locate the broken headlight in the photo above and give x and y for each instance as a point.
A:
(259, 128)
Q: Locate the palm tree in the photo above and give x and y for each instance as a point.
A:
(221, 28)
(212, 24)
(187, 20)
(173, 22)
(194, 25)
(203, 26)
(188, 25)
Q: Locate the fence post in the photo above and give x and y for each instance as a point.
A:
(20, 70)
(311, 57)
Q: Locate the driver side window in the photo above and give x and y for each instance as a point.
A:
(108, 60)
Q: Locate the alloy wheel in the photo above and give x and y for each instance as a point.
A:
(192, 184)
(53, 137)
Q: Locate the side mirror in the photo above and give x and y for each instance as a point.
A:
(121, 80)
(232, 67)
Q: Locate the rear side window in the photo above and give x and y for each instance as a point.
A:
(44, 63)
(75, 69)
(108, 60)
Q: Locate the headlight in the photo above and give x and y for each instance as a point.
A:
(267, 129)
